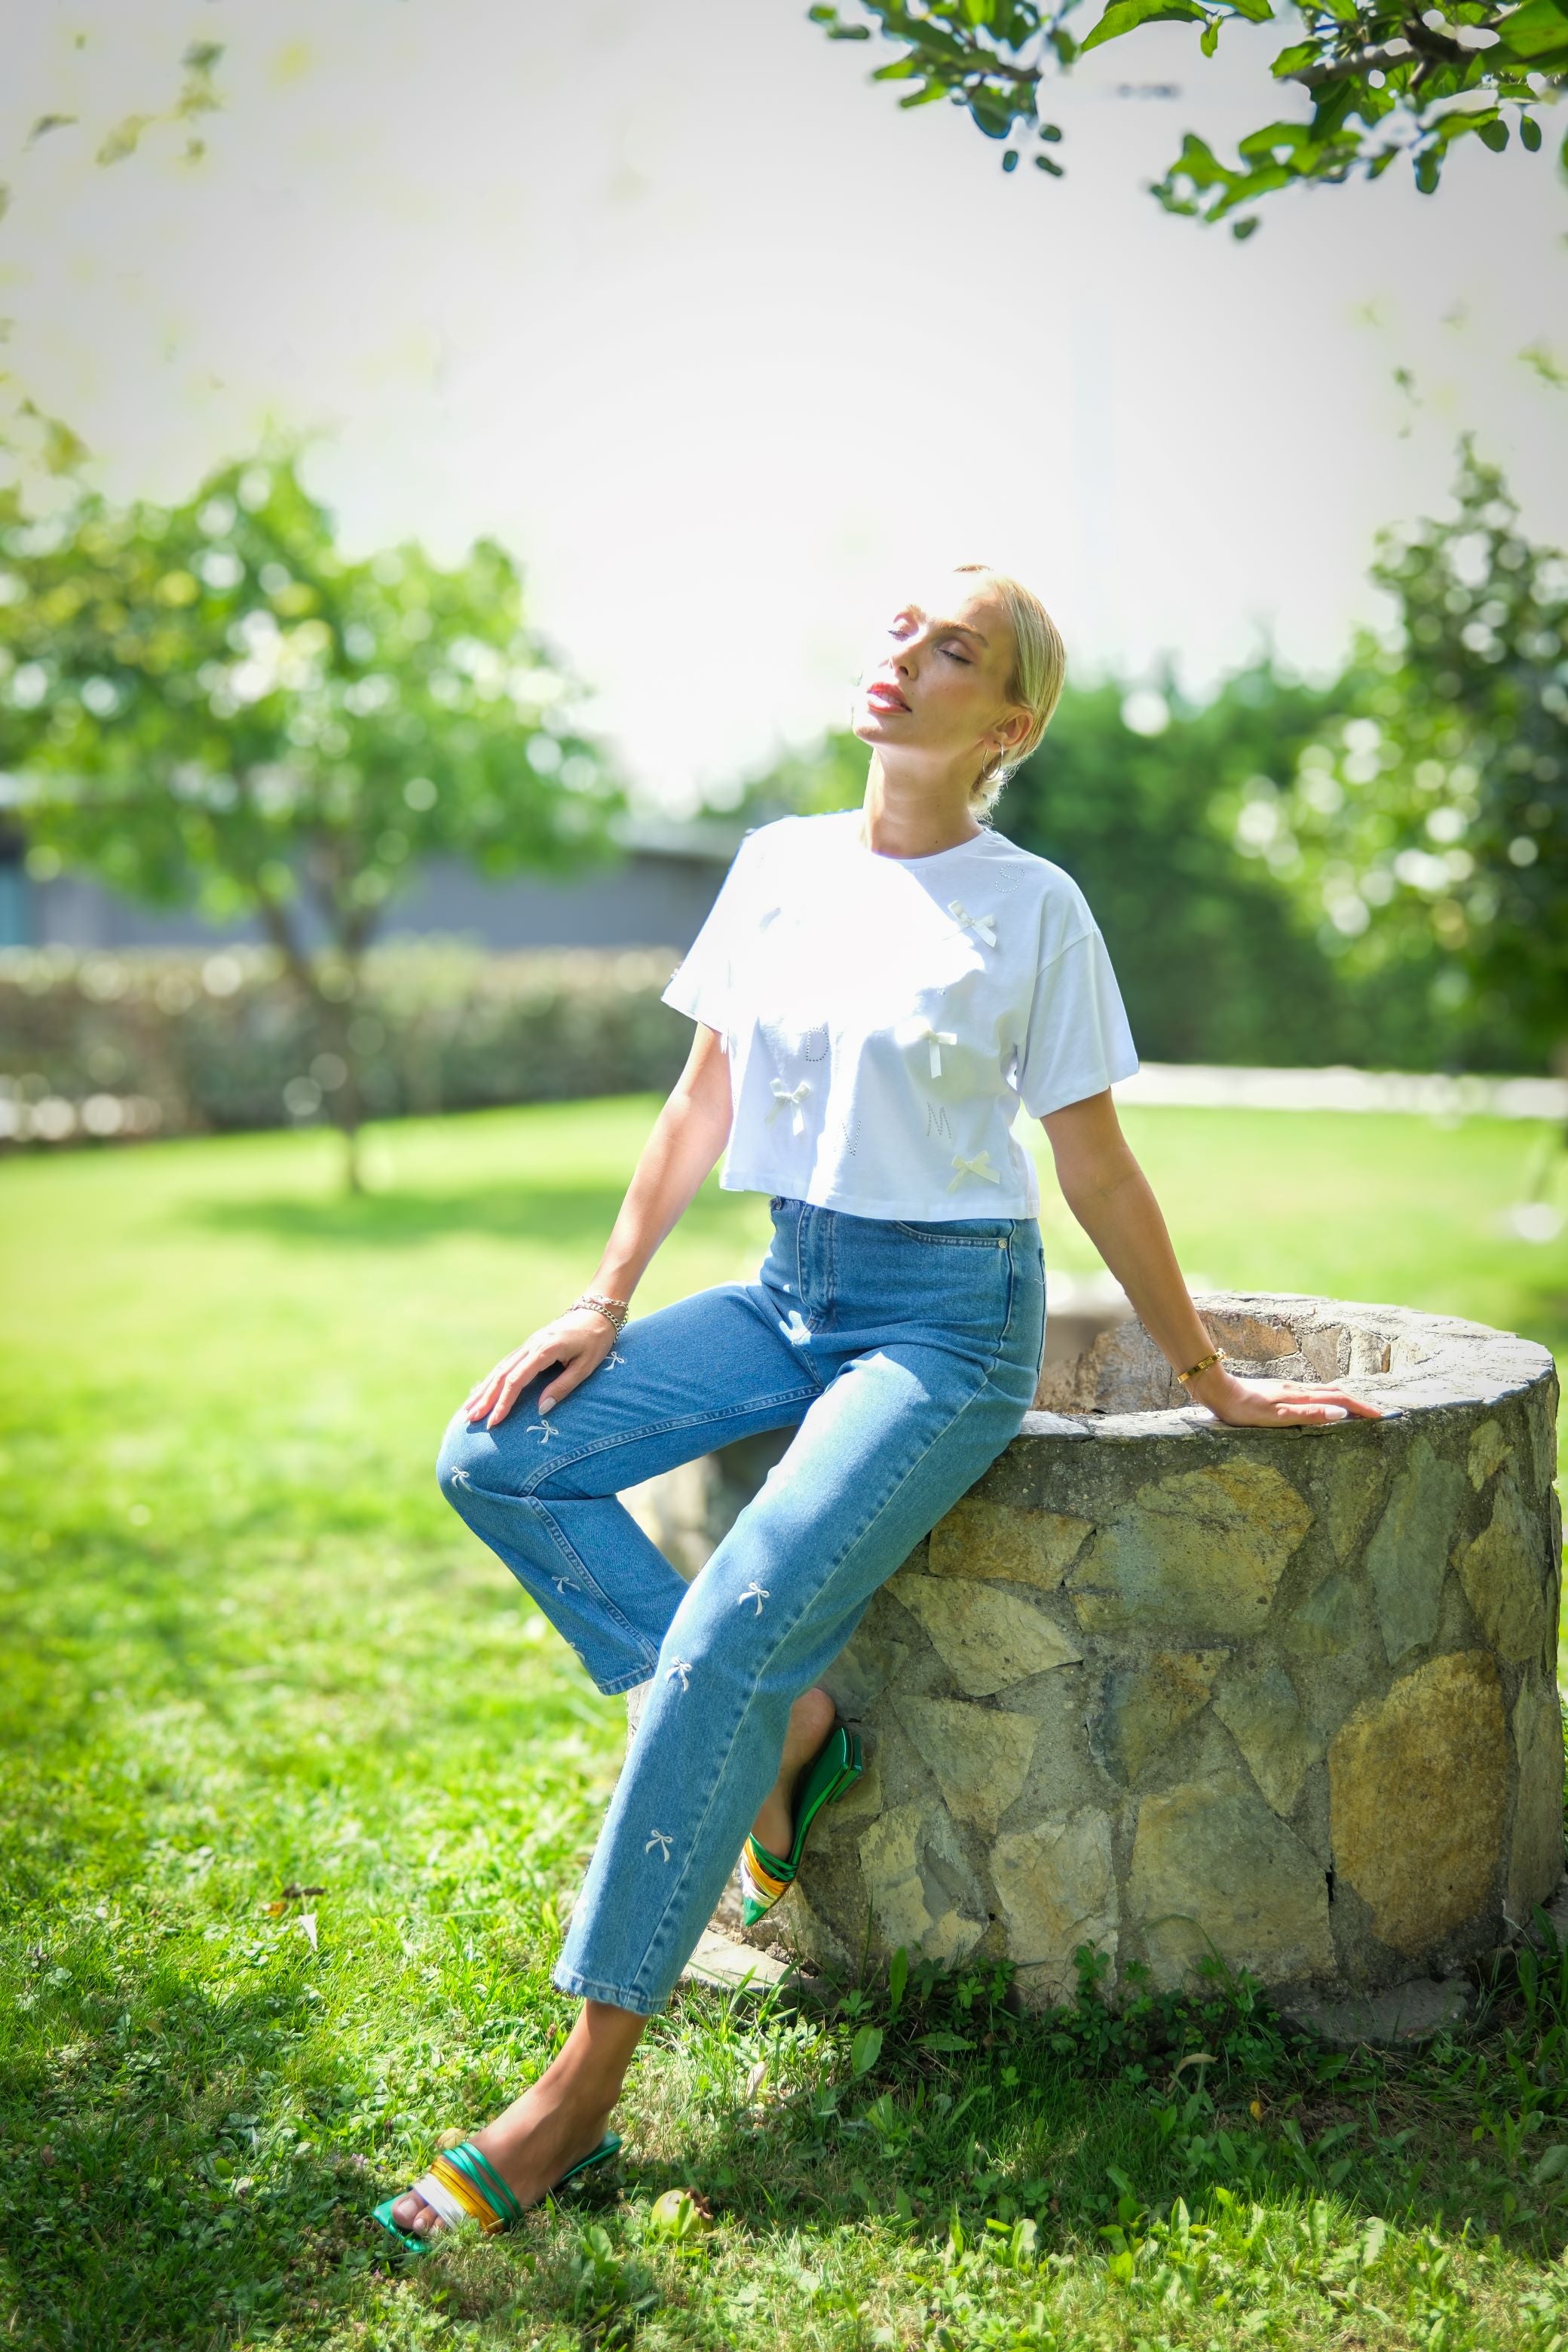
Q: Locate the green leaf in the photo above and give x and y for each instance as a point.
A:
(1243, 228)
(1127, 16)
(1208, 40)
(1291, 61)
(1256, 12)
(1493, 133)
(1529, 132)
(1010, 160)
(1049, 164)
(1538, 32)
(945, 2042)
(122, 139)
(991, 115)
(48, 122)
(866, 2049)
(1261, 146)
(1335, 102)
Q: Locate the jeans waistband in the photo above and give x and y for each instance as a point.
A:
(784, 1204)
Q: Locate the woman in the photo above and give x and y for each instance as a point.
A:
(875, 992)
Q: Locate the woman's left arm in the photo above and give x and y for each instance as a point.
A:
(1109, 1193)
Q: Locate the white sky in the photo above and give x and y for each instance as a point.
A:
(668, 296)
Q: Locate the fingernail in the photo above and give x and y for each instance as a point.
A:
(1335, 1412)
(547, 1405)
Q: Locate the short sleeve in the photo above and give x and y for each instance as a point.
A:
(701, 983)
(1077, 1041)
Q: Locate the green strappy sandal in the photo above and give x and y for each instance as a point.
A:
(461, 2185)
(765, 1876)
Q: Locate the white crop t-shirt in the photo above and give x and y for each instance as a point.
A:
(884, 1017)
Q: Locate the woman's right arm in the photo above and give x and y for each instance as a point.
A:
(683, 1147)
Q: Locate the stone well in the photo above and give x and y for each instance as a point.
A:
(1165, 1689)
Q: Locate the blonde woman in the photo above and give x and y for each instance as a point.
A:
(877, 993)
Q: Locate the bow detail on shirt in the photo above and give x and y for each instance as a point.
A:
(936, 1039)
(979, 1166)
(986, 925)
(795, 1096)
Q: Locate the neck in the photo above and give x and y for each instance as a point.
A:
(914, 816)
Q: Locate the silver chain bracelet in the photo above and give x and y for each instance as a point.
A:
(615, 1310)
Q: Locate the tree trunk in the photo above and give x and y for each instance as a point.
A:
(347, 1101)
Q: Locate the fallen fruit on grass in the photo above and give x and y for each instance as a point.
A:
(677, 2214)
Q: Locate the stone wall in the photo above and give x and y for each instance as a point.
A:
(1167, 1688)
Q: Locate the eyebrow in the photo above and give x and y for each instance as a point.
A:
(945, 628)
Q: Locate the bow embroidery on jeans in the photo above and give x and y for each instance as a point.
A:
(757, 1592)
(794, 1095)
(664, 1843)
(682, 1667)
(986, 925)
(936, 1039)
(979, 1166)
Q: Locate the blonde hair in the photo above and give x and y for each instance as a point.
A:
(1038, 674)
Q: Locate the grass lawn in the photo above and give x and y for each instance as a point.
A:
(245, 1648)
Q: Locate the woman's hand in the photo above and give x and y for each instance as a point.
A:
(577, 1341)
(1275, 1404)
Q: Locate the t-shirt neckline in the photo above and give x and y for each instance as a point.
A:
(932, 857)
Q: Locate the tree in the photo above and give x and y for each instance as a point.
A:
(209, 704)
(1386, 79)
(1436, 811)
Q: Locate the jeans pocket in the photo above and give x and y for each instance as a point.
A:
(972, 1232)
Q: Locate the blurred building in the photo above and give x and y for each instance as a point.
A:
(656, 896)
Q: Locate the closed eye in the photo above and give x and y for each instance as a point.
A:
(962, 659)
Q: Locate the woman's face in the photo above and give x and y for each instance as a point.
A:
(934, 683)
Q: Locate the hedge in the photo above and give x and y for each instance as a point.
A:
(114, 1045)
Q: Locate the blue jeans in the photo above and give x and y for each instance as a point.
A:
(905, 1355)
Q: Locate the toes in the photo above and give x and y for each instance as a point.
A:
(412, 2214)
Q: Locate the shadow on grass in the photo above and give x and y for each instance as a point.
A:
(556, 1216)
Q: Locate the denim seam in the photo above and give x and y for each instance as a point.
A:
(813, 1601)
(564, 1545)
(531, 1504)
(623, 1682)
(589, 1988)
(655, 1429)
(952, 1241)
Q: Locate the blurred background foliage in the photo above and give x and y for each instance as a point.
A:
(104, 1046)
(208, 704)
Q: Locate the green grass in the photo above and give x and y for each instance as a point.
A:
(245, 1647)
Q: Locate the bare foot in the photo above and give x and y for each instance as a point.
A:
(810, 1721)
(557, 2121)
(530, 2145)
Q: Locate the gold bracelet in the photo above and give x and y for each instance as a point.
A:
(614, 1310)
(1200, 1366)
